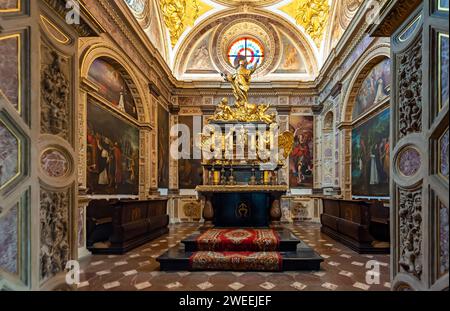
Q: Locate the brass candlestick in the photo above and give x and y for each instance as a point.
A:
(223, 177)
(253, 178)
(232, 181)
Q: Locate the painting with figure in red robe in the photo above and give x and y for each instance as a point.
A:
(301, 160)
(112, 153)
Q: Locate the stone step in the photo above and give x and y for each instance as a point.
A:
(303, 259)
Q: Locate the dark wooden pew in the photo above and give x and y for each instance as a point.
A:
(116, 227)
(362, 226)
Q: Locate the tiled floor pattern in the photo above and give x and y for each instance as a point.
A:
(342, 270)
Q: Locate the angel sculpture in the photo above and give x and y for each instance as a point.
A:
(240, 82)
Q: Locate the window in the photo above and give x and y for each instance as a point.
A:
(247, 49)
(137, 6)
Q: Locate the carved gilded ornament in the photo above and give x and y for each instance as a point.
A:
(181, 14)
(312, 15)
(243, 110)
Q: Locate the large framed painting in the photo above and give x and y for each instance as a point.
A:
(190, 171)
(301, 160)
(108, 77)
(163, 148)
(375, 89)
(112, 153)
(371, 157)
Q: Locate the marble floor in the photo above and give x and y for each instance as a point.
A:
(342, 270)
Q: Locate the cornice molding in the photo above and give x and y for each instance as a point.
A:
(88, 26)
(393, 14)
(141, 43)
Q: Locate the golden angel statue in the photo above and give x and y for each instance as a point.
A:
(242, 111)
(240, 81)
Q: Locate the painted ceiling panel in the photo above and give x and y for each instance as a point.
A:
(319, 25)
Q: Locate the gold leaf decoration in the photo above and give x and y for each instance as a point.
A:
(312, 15)
(181, 14)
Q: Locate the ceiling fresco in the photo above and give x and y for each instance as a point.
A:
(195, 36)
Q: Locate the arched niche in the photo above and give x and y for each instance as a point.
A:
(363, 67)
(328, 121)
(104, 51)
(114, 85)
(360, 124)
(114, 114)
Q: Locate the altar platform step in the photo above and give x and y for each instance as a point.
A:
(288, 242)
(303, 259)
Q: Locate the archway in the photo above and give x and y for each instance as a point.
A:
(363, 68)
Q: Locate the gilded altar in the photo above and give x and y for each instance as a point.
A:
(242, 154)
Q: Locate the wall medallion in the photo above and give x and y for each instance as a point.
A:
(54, 163)
(409, 162)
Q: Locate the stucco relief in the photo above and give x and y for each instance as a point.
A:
(55, 94)
(54, 229)
(411, 231)
(410, 89)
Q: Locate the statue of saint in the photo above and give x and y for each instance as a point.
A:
(240, 81)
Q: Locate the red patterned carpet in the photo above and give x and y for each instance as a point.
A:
(237, 261)
(343, 269)
(236, 240)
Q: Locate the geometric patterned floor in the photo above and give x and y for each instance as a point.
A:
(342, 270)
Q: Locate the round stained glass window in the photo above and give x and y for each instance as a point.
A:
(246, 49)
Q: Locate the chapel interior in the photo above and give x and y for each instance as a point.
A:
(224, 145)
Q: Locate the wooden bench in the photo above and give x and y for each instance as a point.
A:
(116, 227)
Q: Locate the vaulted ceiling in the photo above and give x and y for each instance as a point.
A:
(195, 37)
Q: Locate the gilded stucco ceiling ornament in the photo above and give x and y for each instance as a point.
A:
(312, 15)
(180, 14)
